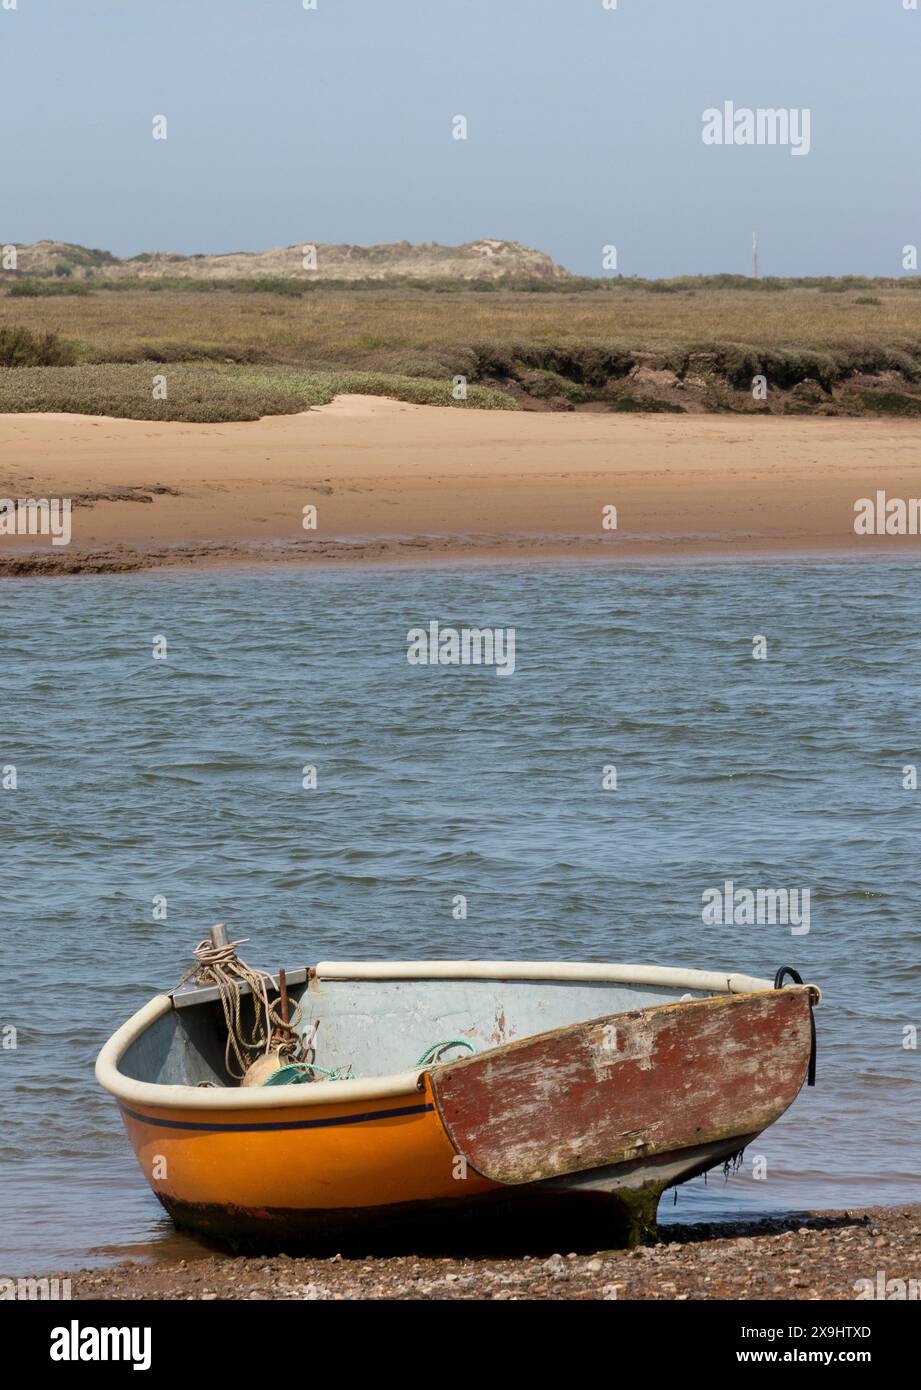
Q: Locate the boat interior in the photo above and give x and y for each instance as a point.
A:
(380, 1026)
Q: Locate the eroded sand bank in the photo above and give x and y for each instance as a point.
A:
(403, 482)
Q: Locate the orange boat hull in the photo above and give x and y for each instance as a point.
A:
(603, 1114)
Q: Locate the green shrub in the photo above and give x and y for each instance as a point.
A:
(891, 403)
(547, 386)
(26, 288)
(274, 284)
(30, 288)
(637, 405)
(20, 348)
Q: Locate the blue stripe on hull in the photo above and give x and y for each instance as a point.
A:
(277, 1124)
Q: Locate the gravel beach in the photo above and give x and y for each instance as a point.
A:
(800, 1257)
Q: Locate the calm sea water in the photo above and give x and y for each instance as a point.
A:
(183, 777)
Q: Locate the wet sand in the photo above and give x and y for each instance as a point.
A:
(819, 1256)
(405, 483)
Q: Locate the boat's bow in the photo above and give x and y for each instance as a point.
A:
(645, 1090)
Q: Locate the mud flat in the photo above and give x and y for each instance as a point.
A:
(396, 482)
(849, 1255)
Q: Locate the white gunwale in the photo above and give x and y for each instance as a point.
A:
(151, 1094)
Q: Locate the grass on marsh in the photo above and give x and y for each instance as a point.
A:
(381, 329)
(233, 355)
(193, 393)
(319, 388)
(94, 268)
(208, 394)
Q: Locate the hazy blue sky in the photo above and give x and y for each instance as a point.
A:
(288, 125)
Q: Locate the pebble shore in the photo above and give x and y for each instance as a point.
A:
(819, 1256)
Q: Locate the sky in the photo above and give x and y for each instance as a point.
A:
(584, 128)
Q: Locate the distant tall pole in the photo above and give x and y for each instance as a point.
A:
(756, 268)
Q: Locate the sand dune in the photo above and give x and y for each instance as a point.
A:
(487, 259)
(396, 481)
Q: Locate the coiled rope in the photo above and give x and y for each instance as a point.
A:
(221, 966)
(270, 1031)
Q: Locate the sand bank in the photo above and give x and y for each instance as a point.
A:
(391, 481)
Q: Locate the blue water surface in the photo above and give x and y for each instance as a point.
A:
(183, 778)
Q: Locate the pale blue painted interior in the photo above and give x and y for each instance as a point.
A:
(378, 1027)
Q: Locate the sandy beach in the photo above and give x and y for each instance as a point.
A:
(397, 482)
(824, 1255)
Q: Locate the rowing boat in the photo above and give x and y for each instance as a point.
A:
(458, 1093)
